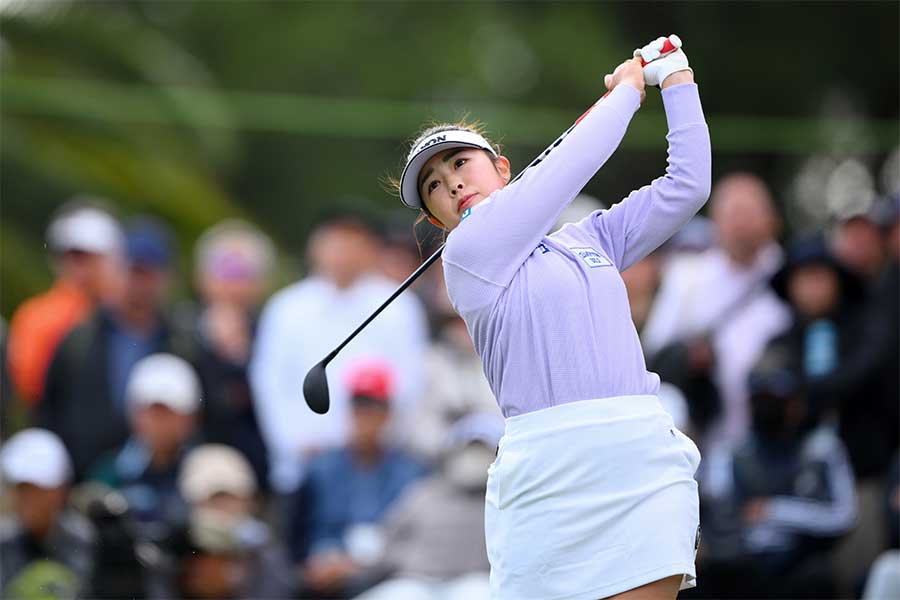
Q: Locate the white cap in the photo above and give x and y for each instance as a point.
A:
(87, 229)
(36, 456)
(424, 150)
(164, 379)
(212, 469)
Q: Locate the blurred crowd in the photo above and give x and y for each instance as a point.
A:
(154, 448)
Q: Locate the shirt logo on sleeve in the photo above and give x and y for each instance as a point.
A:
(465, 214)
(591, 257)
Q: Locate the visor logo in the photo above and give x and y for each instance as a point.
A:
(435, 140)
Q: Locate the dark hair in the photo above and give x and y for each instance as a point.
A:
(392, 184)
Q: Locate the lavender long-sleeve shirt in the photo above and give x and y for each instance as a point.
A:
(549, 315)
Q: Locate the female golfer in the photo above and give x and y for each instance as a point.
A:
(592, 492)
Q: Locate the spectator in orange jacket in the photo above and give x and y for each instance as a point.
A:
(85, 243)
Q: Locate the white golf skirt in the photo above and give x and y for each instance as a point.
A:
(590, 499)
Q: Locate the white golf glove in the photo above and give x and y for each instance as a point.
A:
(663, 56)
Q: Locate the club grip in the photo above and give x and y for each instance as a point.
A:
(668, 46)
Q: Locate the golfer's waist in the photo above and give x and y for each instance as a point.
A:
(584, 412)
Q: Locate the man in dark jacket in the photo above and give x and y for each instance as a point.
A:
(786, 495)
(84, 392)
(837, 349)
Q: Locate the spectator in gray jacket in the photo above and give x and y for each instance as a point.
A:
(435, 546)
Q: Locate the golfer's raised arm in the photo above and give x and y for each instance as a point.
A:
(637, 225)
(494, 242)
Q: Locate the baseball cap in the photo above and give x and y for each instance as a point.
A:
(36, 456)
(148, 243)
(85, 228)
(211, 469)
(164, 379)
(370, 379)
(428, 147)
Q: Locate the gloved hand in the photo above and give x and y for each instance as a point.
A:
(663, 56)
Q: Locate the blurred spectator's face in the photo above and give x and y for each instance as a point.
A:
(814, 290)
(859, 244)
(38, 507)
(146, 289)
(97, 275)
(467, 466)
(243, 292)
(230, 504)
(369, 420)
(744, 218)
(775, 416)
(342, 253)
(161, 428)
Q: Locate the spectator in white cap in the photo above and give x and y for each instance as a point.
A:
(36, 467)
(233, 261)
(225, 551)
(163, 396)
(85, 244)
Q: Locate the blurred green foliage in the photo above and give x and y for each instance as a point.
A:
(199, 110)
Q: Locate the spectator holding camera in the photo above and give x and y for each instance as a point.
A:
(46, 549)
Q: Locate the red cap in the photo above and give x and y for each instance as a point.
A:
(372, 379)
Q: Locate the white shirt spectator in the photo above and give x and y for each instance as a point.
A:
(298, 327)
(696, 290)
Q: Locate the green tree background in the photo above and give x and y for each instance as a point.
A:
(199, 110)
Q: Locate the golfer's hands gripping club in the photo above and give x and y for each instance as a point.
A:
(663, 57)
(630, 73)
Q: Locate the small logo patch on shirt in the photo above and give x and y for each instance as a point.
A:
(466, 213)
(591, 257)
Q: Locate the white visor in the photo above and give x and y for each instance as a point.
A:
(424, 150)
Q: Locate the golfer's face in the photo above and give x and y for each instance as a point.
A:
(459, 178)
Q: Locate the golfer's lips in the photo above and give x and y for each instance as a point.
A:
(465, 202)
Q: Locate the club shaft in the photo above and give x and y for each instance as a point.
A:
(409, 280)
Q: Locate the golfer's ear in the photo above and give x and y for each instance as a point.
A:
(502, 164)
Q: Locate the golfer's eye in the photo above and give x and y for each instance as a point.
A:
(460, 162)
(432, 185)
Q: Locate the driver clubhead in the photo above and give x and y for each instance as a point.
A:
(315, 388)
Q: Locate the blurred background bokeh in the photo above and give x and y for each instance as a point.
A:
(228, 149)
